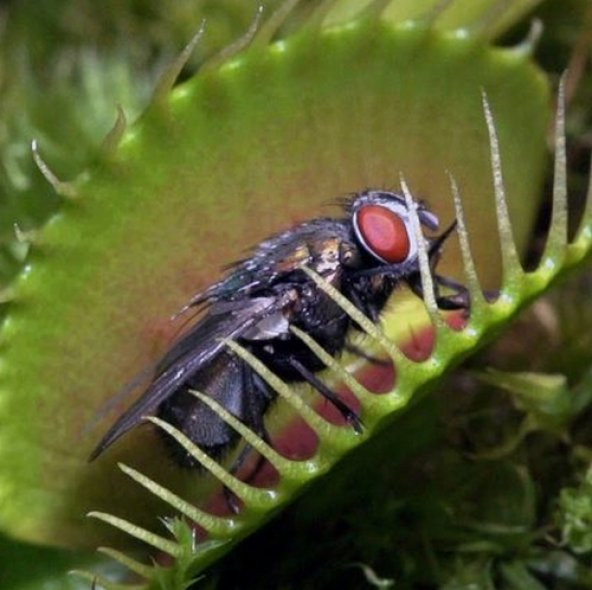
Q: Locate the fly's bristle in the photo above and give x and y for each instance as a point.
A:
(512, 269)
(258, 499)
(214, 525)
(62, 188)
(235, 48)
(148, 537)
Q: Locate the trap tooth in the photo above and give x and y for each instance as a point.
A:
(435, 12)
(407, 369)
(427, 283)
(170, 75)
(373, 404)
(529, 44)
(285, 467)
(64, 189)
(375, 9)
(319, 14)
(478, 302)
(512, 269)
(365, 323)
(114, 135)
(235, 48)
(270, 27)
(579, 248)
(138, 568)
(214, 525)
(258, 499)
(142, 534)
(585, 230)
(333, 437)
(557, 237)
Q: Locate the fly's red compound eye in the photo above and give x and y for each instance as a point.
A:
(384, 233)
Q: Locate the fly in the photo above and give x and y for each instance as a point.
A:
(365, 254)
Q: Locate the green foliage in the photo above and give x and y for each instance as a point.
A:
(30, 567)
(575, 516)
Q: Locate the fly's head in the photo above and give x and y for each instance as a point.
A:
(386, 248)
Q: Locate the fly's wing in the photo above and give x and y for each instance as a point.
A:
(271, 260)
(226, 320)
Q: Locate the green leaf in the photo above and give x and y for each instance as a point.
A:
(316, 114)
(30, 567)
(364, 96)
(575, 516)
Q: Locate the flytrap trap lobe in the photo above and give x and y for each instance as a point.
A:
(267, 302)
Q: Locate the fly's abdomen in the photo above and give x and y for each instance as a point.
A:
(223, 380)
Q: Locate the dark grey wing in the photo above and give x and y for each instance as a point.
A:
(225, 320)
(272, 259)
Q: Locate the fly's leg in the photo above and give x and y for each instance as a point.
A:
(370, 310)
(368, 357)
(230, 497)
(460, 289)
(255, 390)
(459, 300)
(350, 416)
(262, 393)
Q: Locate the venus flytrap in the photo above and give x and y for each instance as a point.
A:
(518, 286)
(103, 272)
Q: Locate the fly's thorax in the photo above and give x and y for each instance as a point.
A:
(380, 288)
(316, 312)
(368, 292)
(350, 255)
(326, 258)
(293, 259)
